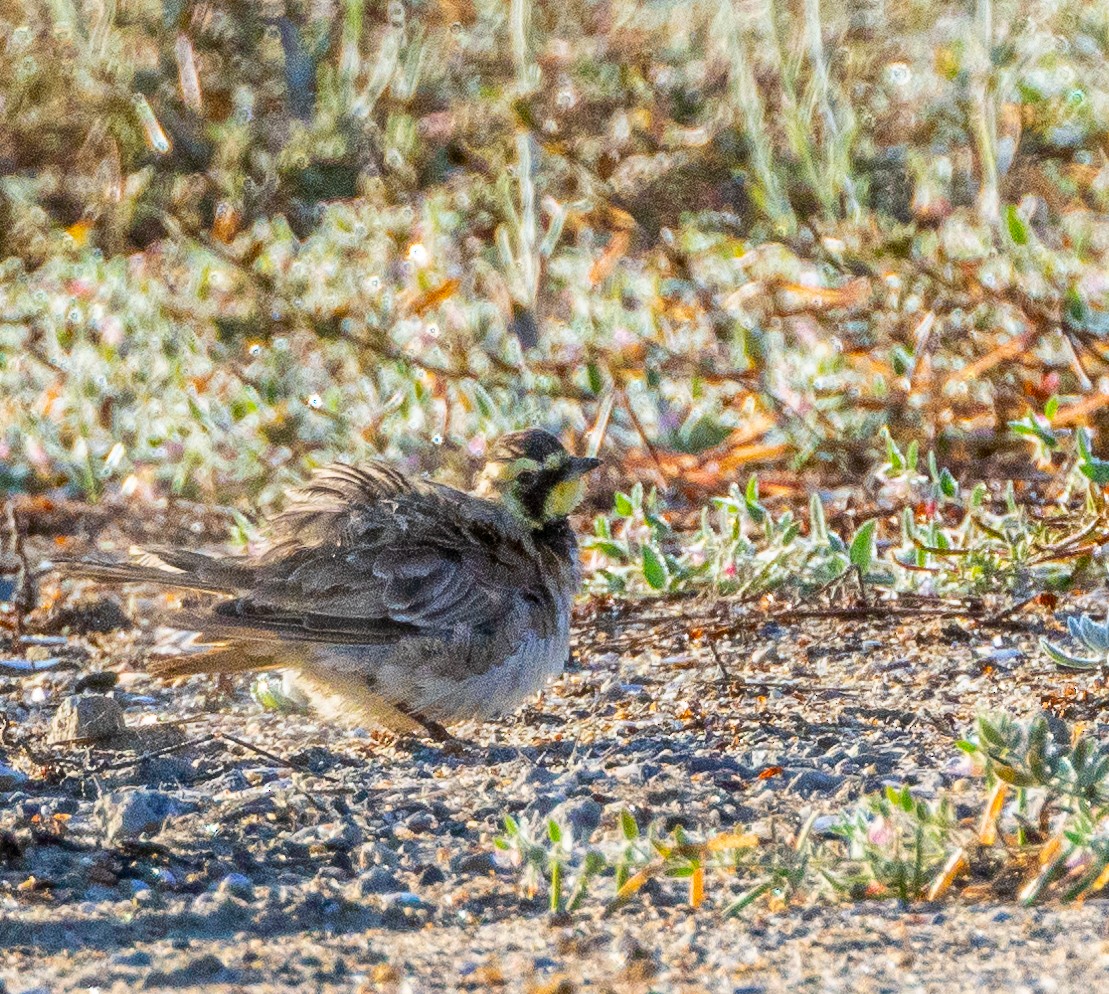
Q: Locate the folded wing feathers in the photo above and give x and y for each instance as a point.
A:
(222, 624)
(362, 555)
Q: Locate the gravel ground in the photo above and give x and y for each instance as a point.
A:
(309, 857)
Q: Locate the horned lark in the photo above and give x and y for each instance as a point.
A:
(396, 601)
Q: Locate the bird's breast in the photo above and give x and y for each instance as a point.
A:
(439, 684)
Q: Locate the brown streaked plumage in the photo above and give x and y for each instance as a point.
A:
(397, 600)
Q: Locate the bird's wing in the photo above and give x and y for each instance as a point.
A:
(326, 510)
(368, 555)
(364, 555)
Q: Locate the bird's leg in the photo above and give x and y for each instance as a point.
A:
(432, 729)
(435, 731)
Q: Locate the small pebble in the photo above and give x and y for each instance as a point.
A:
(11, 778)
(88, 716)
(431, 875)
(236, 884)
(377, 881)
(581, 814)
(128, 814)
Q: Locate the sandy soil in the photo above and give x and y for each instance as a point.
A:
(183, 860)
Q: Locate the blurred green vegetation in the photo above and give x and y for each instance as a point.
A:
(243, 238)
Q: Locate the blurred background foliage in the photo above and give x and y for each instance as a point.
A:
(239, 239)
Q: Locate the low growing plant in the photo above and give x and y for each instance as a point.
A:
(946, 540)
(1039, 832)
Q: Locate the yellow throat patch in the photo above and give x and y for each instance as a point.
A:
(563, 498)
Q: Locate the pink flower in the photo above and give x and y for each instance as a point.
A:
(80, 288)
(111, 331)
(623, 337)
(880, 833)
(36, 455)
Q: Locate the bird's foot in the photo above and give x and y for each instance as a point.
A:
(428, 729)
(435, 731)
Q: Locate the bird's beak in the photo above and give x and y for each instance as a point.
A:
(580, 465)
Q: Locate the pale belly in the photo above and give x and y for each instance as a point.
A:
(336, 688)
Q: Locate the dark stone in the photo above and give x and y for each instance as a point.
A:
(581, 814)
(97, 616)
(478, 864)
(99, 683)
(88, 716)
(431, 875)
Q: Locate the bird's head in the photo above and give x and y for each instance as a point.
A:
(534, 476)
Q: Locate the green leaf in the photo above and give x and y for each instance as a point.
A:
(1014, 224)
(755, 510)
(1014, 777)
(748, 898)
(1075, 309)
(1034, 427)
(861, 550)
(894, 456)
(1068, 661)
(790, 529)
(949, 486)
(654, 569)
(628, 825)
(700, 431)
(991, 733)
(902, 798)
(1051, 408)
(1091, 466)
(611, 549)
(623, 504)
(908, 525)
(554, 232)
(485, 403)
(901, 359)
(818, 525)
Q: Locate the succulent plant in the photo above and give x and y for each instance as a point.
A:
(1094, 635)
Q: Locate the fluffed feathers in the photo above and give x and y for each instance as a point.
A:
(398, 595)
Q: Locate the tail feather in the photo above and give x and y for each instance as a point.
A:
(217, 659)
(227, 571)
(209, 580)
(189, 570)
